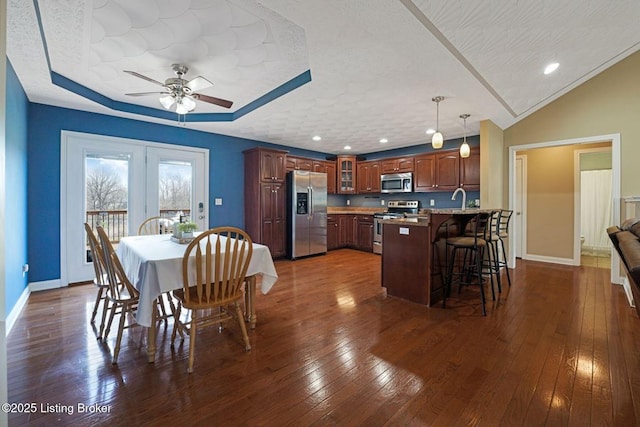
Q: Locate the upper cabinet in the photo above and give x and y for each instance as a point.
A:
(299, 164)
(368, 177)
(446, 171)
(424, 178)
(271, 163)
(346, 174)
(330, 169)
(397, 165)
(470, 170)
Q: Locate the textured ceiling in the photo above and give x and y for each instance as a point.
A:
(375, 64)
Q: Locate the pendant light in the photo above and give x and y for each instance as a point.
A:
(437, 139)
(465, 151)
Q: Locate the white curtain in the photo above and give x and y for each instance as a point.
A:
(595, 209)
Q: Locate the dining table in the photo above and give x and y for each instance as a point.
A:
(153, 264)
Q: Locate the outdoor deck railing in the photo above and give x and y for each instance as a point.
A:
(115, 222)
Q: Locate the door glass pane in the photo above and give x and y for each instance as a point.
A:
(107, 194)
(175, 192)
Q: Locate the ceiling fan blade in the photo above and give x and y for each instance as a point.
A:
(149, 79)
(147, 93)
(198, 83)
(211, 100)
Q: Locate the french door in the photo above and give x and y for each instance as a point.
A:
(118, 183)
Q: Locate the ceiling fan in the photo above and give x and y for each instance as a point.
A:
(181, 92)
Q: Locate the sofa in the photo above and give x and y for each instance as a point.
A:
(626, 240)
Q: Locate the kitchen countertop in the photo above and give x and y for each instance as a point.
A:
(336, 210)
(454, 211)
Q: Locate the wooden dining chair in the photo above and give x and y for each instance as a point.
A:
(154, 225)
(101, 280)
(214, 267)
(150, 226)
(122, 295)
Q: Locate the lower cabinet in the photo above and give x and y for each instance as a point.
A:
(365, 233)
(350, 231)
(333, 232)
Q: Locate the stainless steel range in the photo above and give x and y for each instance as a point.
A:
(395, 209)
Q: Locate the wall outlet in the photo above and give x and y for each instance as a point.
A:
(382, 202)
(348, 202)
(477, 203)
(432, 202)
(218, 201)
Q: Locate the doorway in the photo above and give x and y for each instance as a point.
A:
(117, 183)
(614, 139)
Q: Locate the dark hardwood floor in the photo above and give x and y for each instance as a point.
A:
(560, 347)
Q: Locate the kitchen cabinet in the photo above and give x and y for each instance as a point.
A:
(368, 177)
(271, 164)
(333, 232)
(397, 165)
(350, 231)
(424, 178)
(346, 174)
(329, 168)
(447, 170)
(470, 170)
(273, 202)
(364, 234)
(346, 228)
(298, 164)
(265, 198)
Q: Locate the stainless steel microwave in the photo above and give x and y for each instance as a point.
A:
(396, 183)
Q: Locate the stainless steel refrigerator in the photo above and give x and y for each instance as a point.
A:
(306, 213)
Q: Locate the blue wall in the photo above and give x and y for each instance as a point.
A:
(15, 237)
(226, 166)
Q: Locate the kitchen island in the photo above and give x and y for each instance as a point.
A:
(414, 252)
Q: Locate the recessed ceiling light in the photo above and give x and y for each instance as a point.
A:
(384, 141)
(431, 131)
(347, 147)
(551, 68)
(316, 138)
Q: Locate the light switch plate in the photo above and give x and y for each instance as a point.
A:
(382, 202)
(432, 202)
(218, 201)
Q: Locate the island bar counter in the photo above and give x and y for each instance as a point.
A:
(413, 256)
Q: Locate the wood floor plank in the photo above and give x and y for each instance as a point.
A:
(561, 346)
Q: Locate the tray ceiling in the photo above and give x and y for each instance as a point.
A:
(352, 72)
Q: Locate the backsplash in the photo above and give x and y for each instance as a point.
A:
(441, 200)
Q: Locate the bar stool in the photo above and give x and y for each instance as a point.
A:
(473, 245)
(502, 230)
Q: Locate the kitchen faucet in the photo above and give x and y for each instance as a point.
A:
(464, 197)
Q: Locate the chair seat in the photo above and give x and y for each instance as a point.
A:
(465, 241)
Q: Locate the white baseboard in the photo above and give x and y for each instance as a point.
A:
(549, 259)
(45, 285)
(17, 309)
(627, 290)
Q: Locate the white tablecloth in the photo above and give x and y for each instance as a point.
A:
(153, 264)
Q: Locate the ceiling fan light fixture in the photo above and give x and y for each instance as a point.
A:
(167, 101)
(437, 139)
(181, 108)
(189, 103)
(465, 150)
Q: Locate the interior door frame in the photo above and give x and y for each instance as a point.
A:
(66, 138)
(521, 235)
(615, 184)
